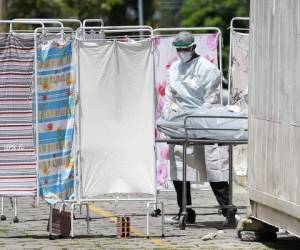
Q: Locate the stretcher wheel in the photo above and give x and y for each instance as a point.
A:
(15, 219)
(88, 218)
(182, 222)
(155, 213)
(3, 217)
(239, 235)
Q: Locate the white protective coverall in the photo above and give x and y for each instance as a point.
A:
(190, 85)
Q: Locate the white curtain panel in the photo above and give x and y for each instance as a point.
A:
(117, 118)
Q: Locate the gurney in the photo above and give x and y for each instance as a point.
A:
(207, 127)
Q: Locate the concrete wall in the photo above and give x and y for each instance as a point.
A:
(274, 117)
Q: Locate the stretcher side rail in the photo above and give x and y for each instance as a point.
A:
(196, 141)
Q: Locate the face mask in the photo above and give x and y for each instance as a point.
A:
(185, 56)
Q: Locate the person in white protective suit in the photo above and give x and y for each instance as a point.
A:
(194, 79)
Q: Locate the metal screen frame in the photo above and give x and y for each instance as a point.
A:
(186, 141)
(92, 20)
(36, 32)
(47, 20)
(42, 24)
(79, 199)
(111, 30)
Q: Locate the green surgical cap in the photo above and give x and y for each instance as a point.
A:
(184, 39)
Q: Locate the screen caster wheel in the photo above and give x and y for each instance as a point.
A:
(155, 213)
(51, 237)
(15, 219)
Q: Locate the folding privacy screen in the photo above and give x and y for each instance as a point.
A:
(56, 105)
(17, 155)
(108, 144)
(77, 110)
(238, 78)
(117, 117)
(208, 44)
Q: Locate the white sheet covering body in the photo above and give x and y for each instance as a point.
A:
(209, 161)
(117, 118)
(189, 87)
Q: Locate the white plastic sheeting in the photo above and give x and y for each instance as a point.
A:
(117, 118)
(240, 67)
(211, 161)
(240, 80)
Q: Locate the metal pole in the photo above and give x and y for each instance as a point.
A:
(230, 181)
(154, 125)
(50, 221)
(72, 220)
(147, 219)
(162, 219)
(36, 117)
(2, 13)
(229, 66)
(184, 212)
(88, 218)
(78, 136)
(16, 208)
(2, 205)
(220, 41)
(141, 14)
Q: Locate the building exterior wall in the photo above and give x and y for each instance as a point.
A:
(274, 112)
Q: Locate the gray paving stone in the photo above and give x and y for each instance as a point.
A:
(30, 232)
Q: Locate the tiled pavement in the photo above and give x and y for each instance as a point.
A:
(30, 232)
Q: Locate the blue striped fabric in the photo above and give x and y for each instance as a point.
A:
(64, 69)
(63, 103)
(46, 53)
(56, 120)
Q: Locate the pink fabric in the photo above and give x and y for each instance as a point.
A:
(165, 154)
(160, 88)
(161, 174)
(212, 42)
(207, 45)
(160, 106)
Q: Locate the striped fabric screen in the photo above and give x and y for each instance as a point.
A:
(17, 150)
(56, 119)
